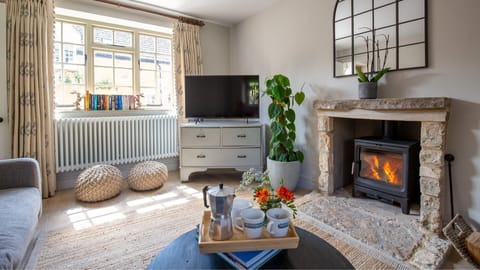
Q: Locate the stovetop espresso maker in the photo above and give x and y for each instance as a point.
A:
(221, 201)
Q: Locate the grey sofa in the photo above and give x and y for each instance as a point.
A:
(20, 210)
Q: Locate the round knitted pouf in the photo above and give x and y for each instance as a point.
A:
(147, 175)
(98, 183)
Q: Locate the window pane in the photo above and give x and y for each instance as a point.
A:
(123, 39)
(73, 54)
(147, 61)
(103, 78)
(123, 90)
(166, 82)
(123, 77)
(165, 62)
(164, 46)
(58, 31)
(103, 36)
(73, 33)
(74, 74)
(103, 58)
(150, 95)
(147, 78)
(123, 60)
(147, 44)
(57, 52)
(58, 75)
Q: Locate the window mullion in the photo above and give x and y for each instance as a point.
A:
(89, 64)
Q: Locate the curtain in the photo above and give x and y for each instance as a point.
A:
(187, 59)
(30, 84)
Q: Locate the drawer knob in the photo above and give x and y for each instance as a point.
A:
(241, 136)
(201, 136)
(241, 156)
(201, 156)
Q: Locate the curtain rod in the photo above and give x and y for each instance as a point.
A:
(180, 18)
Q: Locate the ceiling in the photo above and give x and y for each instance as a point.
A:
(227, 12)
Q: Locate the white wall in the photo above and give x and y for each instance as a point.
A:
(215, 42)
(295, 38)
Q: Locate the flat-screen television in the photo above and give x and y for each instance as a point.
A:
(221, 96)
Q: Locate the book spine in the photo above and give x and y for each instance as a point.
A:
(86, 101)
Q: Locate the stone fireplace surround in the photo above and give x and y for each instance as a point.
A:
(432, 114)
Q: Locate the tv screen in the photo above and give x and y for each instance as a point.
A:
(222, 96)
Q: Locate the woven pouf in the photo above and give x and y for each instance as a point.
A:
(147, 175)
(98, 183)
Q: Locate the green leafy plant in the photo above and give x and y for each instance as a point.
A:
(370, 75)
(282, 119)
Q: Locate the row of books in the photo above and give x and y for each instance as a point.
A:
(95, 102)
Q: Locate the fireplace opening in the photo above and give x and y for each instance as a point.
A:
(387, 169)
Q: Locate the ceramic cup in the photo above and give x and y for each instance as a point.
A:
(251, 222)
(278, 222)
(238, 206)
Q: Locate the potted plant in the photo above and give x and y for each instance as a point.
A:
(283, 160)
(367, 87)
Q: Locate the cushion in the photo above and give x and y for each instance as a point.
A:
(98, 183)
(147, 175)
(19, 214)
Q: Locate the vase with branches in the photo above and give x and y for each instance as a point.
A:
(375, 67)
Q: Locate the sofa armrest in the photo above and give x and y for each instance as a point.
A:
(20, 172)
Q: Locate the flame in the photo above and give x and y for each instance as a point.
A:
(384, 167)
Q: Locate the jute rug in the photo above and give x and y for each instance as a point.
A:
(132, 242)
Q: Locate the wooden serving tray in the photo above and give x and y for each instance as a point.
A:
(238, 242)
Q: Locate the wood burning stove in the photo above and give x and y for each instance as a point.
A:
(387, 169)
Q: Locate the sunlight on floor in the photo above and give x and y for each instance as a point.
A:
(82, 218)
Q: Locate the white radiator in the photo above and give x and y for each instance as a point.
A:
(83, 142)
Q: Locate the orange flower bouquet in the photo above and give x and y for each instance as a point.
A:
(266, 196)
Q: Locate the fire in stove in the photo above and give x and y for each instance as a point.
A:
(381, 166)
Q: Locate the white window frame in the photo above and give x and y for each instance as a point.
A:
(90, 46)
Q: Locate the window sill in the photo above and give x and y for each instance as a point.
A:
(82, 113)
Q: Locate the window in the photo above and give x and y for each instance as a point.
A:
(69, 64)
(112, 60)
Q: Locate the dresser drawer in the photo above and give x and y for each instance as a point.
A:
(201, 157)
(241, 157)
(221, 157)
(200, 137)
(241, 136)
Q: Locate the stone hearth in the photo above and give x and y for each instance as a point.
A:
(433, 115)
(430, 115)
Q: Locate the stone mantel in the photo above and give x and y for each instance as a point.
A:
(431, 112)
(434, 109)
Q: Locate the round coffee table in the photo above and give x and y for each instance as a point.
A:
(312, 252)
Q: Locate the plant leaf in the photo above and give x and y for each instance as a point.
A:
(380, 74)
(282, 80)
(274, 110)
(300, 156)
(361, 76)
(299, 97)
(290, 114)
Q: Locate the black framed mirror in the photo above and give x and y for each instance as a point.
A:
(382, 33)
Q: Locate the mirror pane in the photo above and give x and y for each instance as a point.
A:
(411, 32)
(343, 10)
(378, 3)
(391, 58)
(360, 43)
(343, 28)
(343, 66)
(361, 6)
(362, 22)
(410, 10)
(343, 47)
(384, 16)
(382, 35)
(361, 61)
(412, 56)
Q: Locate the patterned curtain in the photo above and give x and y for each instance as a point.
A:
(187, 59)
(30, 84)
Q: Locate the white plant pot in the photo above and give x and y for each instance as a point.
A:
(288, 171)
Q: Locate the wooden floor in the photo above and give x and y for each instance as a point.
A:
(63, 210)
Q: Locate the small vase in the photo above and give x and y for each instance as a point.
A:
(367, 90)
